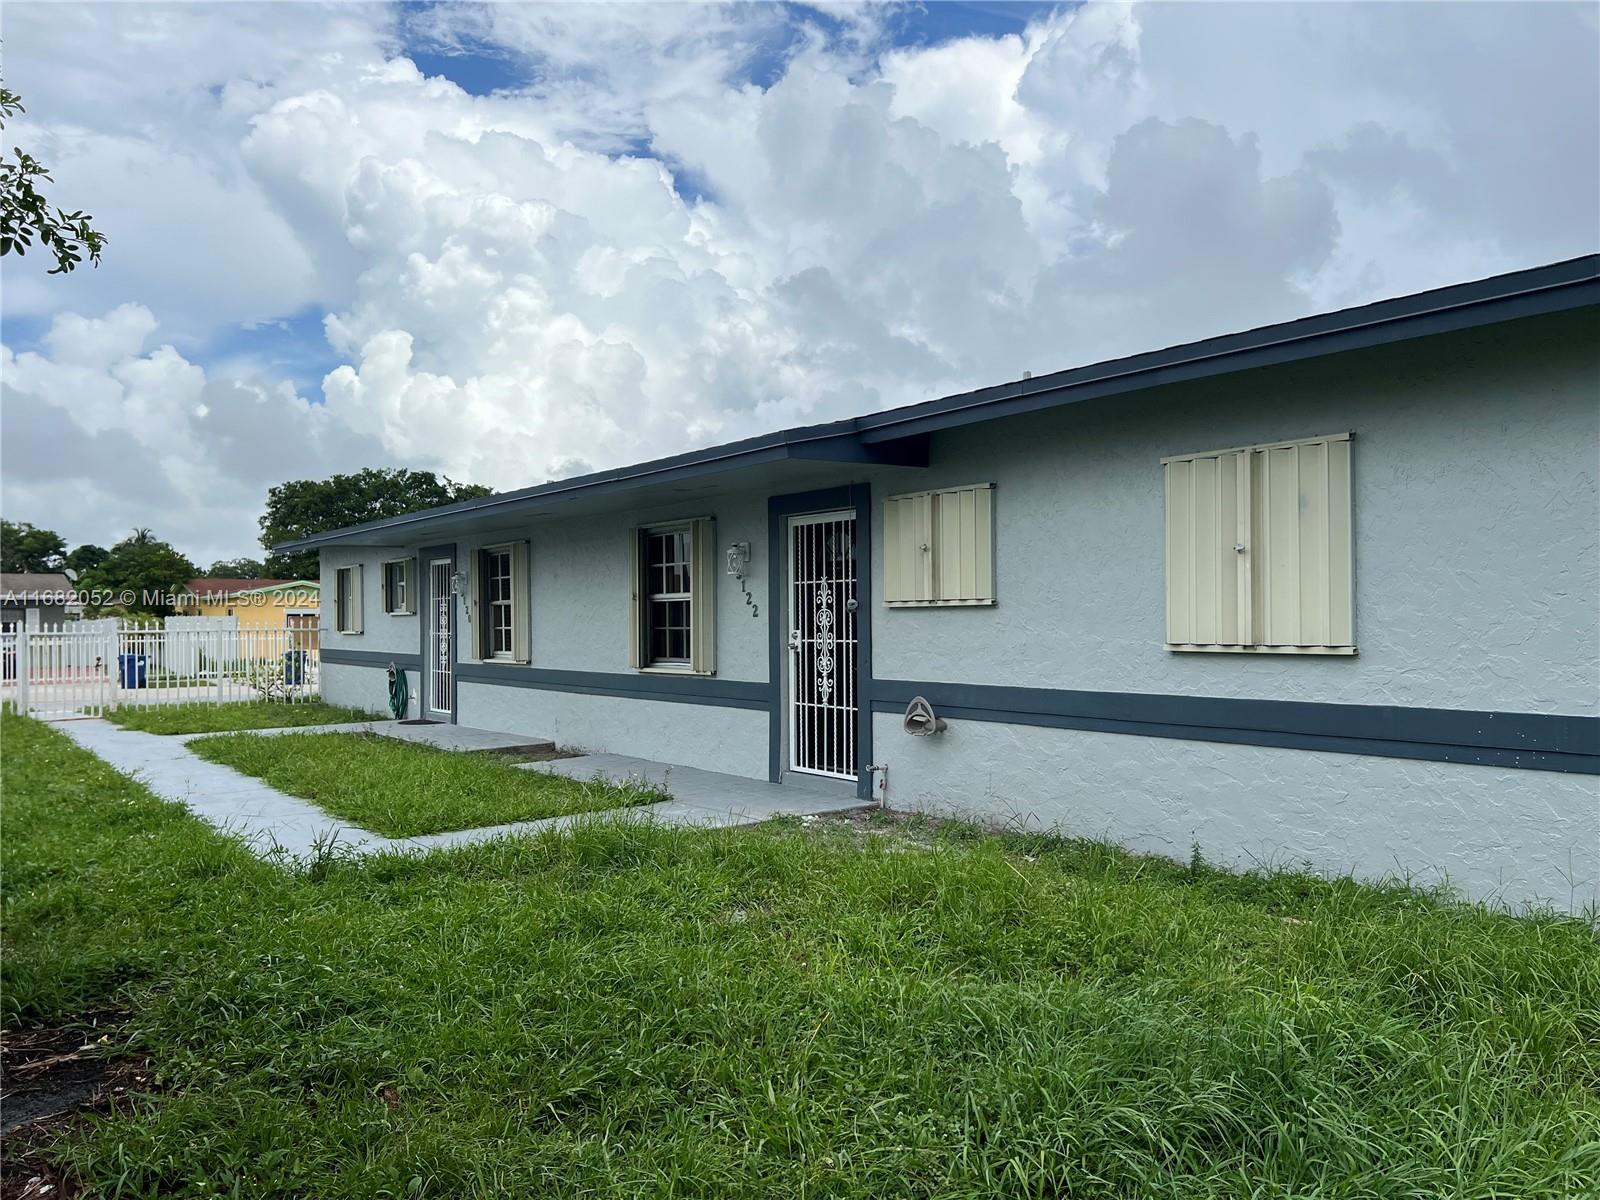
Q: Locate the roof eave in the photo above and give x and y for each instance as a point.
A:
(1458, 308)
(837, 441)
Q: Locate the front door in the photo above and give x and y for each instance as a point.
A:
(822, 644)
(439, 651)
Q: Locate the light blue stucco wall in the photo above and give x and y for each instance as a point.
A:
(1477, 559)
(1477, 552)
(380, 632)
(708, 737)
(364, 688)
(1507, 836)
(580, 587)
(579, 592)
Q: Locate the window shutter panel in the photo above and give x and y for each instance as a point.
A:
(383, 587)
(963, 540)
(1304, 536)
(355, 598)
(1206, 496)
(1259, 547)
(703, 593)
(908, 549)
(635, 603)
(521, 607)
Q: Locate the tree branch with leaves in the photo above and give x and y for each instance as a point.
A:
(27, 217)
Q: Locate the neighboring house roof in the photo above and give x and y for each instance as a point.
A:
(221, 589)
(288, 585)
(20, 588)
(898, 436)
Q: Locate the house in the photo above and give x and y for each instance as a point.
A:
(255, 603)
(1321, 593)
(37, 600)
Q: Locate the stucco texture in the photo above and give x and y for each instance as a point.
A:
(1477, 573)
(580, 587)
(364, 687)
(1477, 556)
(732, 741)
(1507, 836)
(381, 632)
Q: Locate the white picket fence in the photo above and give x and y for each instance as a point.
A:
(87, 668)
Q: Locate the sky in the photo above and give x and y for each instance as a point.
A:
(512, 243)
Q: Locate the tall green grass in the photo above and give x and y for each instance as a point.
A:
(245, 714)
(402, 789)
(786, 1012)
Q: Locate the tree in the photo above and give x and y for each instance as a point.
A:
(142, 573)
(303, 507)
(85, 558)
(236, 568)
(25, 215)
(29, 550)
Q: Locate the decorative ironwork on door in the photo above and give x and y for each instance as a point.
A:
(822, 644)
(439, 682)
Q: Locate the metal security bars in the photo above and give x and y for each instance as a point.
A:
(88, 668)
(823, 644)
(441, 596)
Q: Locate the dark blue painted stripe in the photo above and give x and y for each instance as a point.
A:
(370, 658)
(1530, 741)
(1527, 741)
(685, 689)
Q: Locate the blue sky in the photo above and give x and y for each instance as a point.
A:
(481, 66)
(511, 242)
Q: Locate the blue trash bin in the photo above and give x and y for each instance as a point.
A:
(294, 666)
(131, 670)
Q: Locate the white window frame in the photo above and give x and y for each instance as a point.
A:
(489, 609)
(701, 598)
(406, 605)
(653, 599)
(347, 599)
(1239, 560)
(519, 602)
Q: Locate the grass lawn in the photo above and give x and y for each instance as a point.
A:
(401, 789)
(222, 718)
(783, 1012)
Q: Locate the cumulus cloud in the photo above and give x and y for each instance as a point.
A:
(683, 224)
(105, 431)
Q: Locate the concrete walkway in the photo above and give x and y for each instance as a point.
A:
(271, 822)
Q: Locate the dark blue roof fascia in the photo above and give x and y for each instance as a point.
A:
(1557, 287)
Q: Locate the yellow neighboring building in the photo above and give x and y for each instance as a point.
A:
(257, 603)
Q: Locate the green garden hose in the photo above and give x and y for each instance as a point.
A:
(399, 693)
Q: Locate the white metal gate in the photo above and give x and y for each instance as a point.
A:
(822, 644)
(439, 673)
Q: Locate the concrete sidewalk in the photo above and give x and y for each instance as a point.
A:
(270, 821)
